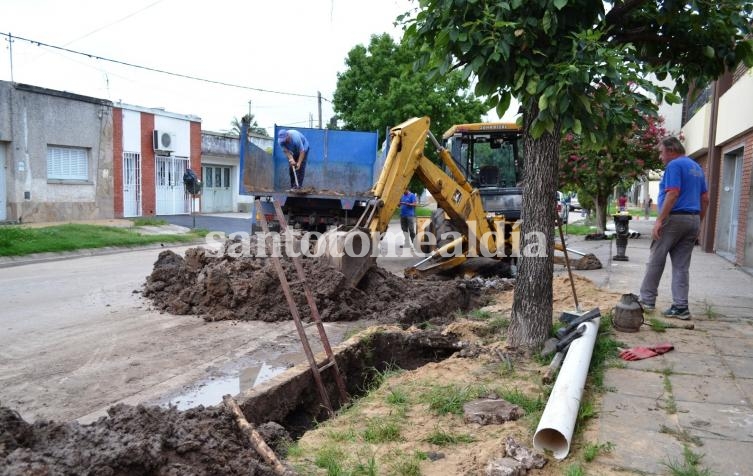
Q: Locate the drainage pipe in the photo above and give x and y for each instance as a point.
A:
(555, 430)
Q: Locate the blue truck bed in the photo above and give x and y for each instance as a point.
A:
(341, 169)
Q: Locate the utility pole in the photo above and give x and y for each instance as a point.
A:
(10, 51)
(319, 99)
(249, 109)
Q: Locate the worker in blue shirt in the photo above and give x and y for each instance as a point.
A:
(683, 201)
(408, 204)
(295, 146)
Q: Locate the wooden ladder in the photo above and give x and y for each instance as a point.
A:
(330, 361)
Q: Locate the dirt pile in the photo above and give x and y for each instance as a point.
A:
(133, 440)
(589, 297)
(247, 288)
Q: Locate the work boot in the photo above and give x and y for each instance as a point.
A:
(678, 312)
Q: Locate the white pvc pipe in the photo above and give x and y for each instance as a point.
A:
(557, 424)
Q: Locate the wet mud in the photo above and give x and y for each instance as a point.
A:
(165, 441)
(134, 440)
(151, 440)
(247, 288)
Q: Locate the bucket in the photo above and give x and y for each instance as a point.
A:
(628, 314)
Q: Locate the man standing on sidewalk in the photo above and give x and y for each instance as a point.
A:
(683, 200)
(408, 203)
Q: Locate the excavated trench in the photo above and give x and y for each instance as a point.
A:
(206, 440)
(151, 440)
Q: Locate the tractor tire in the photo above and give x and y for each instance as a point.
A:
(441, 225)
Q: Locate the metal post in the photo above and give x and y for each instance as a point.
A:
(319, 100)
(10, 51)
(193, 214)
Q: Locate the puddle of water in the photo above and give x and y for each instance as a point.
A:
(210, 392)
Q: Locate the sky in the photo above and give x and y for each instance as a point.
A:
(295, 47)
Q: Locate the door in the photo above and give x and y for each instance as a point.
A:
(217, 193)
(729, 203)
(3, 192)
(131, 184)
(171, 194)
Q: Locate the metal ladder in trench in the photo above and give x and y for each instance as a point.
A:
(330, 361)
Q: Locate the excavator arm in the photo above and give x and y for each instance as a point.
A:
(452, 192)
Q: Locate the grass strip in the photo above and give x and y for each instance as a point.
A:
(21, 241)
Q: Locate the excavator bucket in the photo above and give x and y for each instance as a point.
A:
(350, 251)
(585, 262)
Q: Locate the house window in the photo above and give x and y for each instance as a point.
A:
(67, 163)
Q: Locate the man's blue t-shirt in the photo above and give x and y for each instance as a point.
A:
(407, 210)
(686, 176)
(297, 143)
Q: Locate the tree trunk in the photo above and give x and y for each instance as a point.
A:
(531, 318)
(601, 203)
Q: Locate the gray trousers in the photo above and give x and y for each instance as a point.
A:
(677, 240)
(408, 225)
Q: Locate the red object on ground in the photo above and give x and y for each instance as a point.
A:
(640, 353)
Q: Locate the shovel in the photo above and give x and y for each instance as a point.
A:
(295, 176)
(569, 271)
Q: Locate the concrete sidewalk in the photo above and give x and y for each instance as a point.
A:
(700, 395)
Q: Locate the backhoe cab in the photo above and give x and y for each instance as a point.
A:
(489, 154)
(467, 228)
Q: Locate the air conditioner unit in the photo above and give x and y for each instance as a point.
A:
(164, 140)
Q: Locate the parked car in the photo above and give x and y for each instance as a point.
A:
(563, 211)
(574, 204)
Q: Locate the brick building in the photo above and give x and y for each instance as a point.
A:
(718, 131)
(152, 150)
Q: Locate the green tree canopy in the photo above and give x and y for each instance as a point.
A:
(380, 89)
(559, 58)
(594, 172)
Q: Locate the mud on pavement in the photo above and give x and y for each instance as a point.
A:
(247, 288)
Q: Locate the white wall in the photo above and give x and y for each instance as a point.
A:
(735, 109)
(696, 131)
(131, 131)
(181, 129)
(672, 115)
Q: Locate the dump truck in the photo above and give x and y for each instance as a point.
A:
(341, 168)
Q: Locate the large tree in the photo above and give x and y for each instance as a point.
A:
(555, 57)
(381, 89)
(596, 168)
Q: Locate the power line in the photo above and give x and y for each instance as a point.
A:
(154, 70)
(114, 22)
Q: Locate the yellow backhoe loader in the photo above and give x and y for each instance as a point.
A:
(478, 232)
